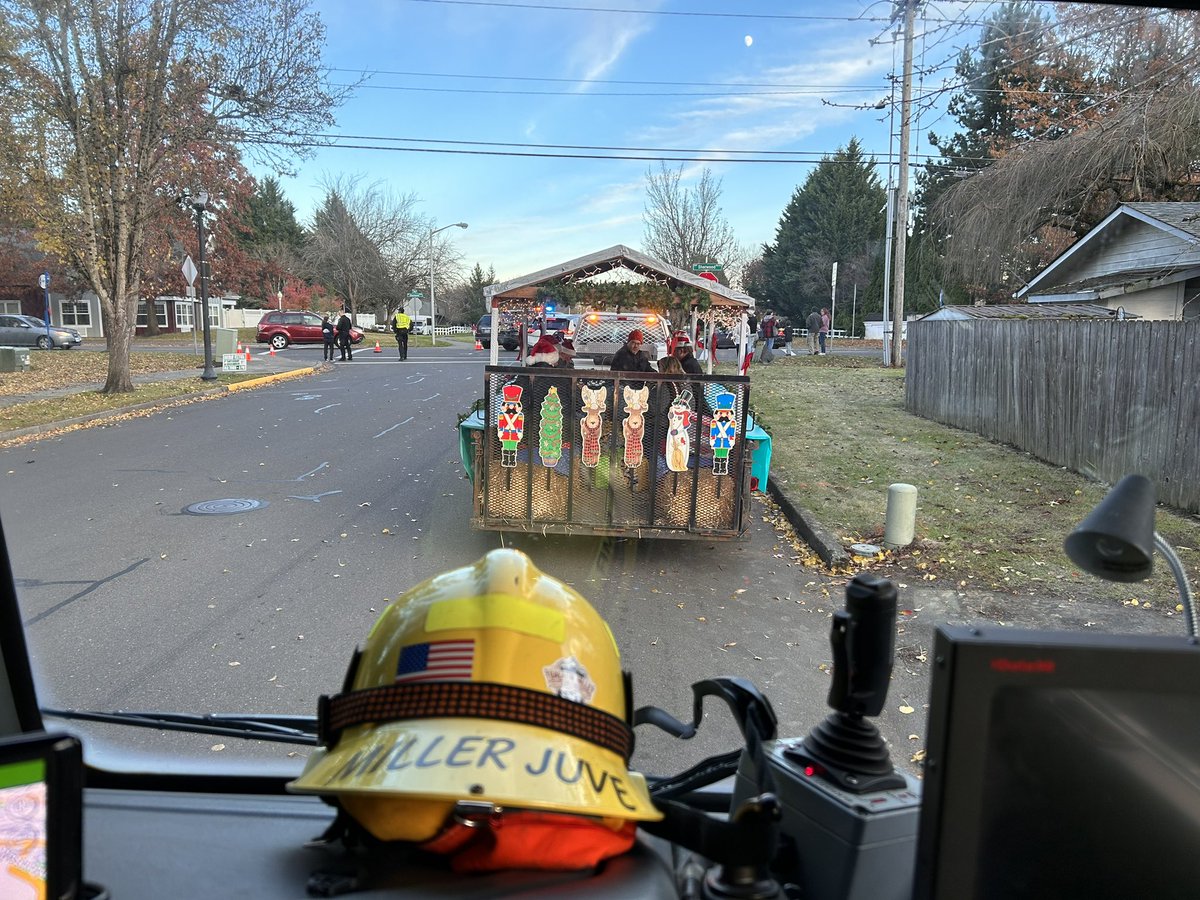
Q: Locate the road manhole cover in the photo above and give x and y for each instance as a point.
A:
(227, 507)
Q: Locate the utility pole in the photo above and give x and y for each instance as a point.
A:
(910, 11)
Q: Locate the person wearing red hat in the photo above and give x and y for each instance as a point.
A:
(630, 358)
(544, 353)
(681, 349)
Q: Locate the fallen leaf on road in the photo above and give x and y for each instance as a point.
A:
(906, 709)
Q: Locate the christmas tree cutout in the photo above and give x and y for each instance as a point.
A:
(550, 429)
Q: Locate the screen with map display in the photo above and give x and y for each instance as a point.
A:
(23, 829)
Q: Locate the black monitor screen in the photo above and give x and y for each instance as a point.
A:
(1061, 766)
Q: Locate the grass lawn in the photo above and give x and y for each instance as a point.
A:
(988, 515)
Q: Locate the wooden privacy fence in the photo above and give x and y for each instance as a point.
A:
(1104, 398)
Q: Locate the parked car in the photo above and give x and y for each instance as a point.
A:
(282, 327)
(26, 331)
(565, 324)
(508, 337)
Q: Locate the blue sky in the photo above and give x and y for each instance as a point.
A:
(541, 72)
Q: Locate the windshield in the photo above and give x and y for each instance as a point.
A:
(956, 302)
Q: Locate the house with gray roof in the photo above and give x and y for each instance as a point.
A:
(1143, 260)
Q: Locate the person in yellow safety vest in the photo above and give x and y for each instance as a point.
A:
(401, 326)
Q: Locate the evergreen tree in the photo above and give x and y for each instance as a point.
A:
(270, 218)
(1019, 84)
(477, 282)
(835, 216)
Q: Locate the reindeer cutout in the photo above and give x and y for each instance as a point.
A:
(679, 420)
(591, 425)
(634, 424)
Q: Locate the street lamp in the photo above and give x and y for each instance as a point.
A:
(200, 204)
(432, 308)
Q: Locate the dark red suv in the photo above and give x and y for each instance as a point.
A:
(282, 327)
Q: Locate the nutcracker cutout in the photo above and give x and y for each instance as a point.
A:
(679, 421)
(723, 433)
(634, 424)
(592, 423)
(510, 425)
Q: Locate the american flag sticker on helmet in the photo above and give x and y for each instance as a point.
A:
(436, 661)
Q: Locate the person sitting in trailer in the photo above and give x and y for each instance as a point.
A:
(544, 353)
(681, 349)
(566, 351)
(630, 358)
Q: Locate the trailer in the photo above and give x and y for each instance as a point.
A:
(587, 450)
(594, 452)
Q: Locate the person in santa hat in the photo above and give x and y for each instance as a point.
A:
(681, 349)
(543, 354)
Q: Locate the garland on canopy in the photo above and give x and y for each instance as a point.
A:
(617, 295)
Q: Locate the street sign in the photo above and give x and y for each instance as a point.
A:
(189, 270)
(707, 267)
(233, 362)
(415, 295)
(710, 276)
(44, 280)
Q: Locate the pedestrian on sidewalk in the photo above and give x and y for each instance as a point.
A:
(825, 323)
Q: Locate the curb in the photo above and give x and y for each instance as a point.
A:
(107, 414)
(825, 543)
(152, 404)
(267, 379)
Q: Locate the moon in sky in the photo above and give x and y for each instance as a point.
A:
(749, 40)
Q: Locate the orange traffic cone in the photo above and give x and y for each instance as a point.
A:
(478, 346)
(272, 350)
(378, 349)
(247, 354)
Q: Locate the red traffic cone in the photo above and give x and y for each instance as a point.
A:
(272, 350)
(247, 354)
(478, 346)
(239, 348)
(378, 349)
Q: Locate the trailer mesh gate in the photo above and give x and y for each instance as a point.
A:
(599, 452)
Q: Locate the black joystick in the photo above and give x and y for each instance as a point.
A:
(845, 748)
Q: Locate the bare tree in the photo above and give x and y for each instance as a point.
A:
(104, 104)
(367, 244)
(685, 225)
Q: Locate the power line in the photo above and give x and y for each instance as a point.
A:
(553, 151)
(648, 12)
(492, 91)
(769, 84)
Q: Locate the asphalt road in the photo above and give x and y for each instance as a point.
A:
(130, 602)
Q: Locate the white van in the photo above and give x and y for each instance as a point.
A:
(422, 324)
